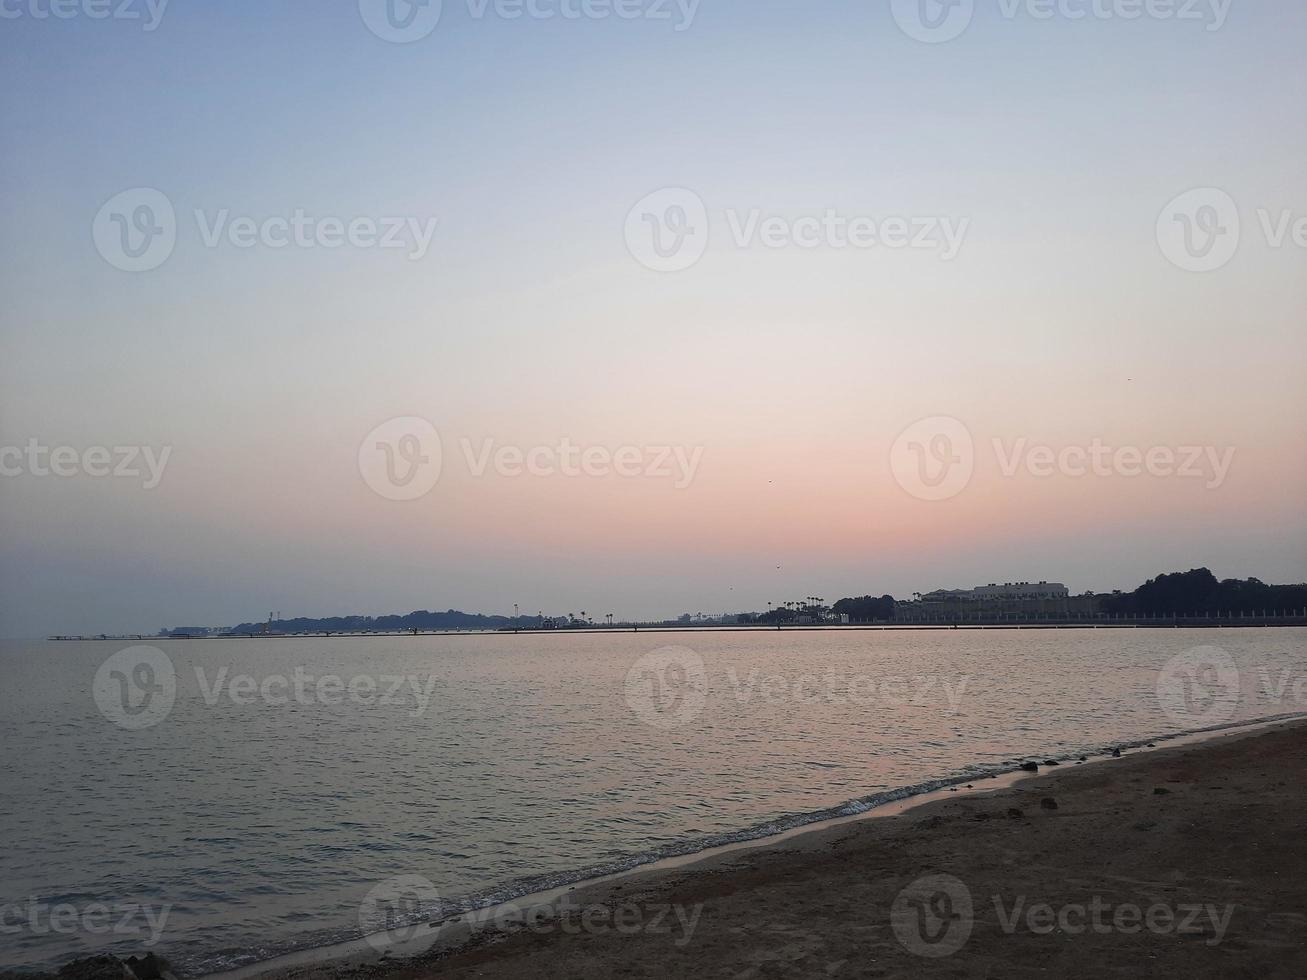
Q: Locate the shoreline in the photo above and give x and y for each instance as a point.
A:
(1272, 622)
(409, 947)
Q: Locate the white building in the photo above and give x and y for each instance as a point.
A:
(1009, 590)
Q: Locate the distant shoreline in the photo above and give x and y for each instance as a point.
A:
(1236, 622)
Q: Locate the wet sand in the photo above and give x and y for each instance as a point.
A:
(1189, 861)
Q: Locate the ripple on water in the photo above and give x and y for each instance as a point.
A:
(265, 827)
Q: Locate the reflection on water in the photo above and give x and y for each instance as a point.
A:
(285, 779)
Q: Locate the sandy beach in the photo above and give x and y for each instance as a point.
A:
(1186, 861)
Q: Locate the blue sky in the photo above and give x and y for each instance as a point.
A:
(527, 141)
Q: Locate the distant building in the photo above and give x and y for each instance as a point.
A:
(182, 632)
(1009, 590)
(1011, 600)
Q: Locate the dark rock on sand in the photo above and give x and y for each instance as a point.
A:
(147, 967)
(1015, 813)
(1048, 803)
(104, 967)
(1030, 766)
(1116, 753)
(93, 968)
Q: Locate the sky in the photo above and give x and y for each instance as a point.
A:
(346, 308)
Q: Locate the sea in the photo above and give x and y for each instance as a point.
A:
(225, 801)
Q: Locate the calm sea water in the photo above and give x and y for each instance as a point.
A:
(253, 819)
